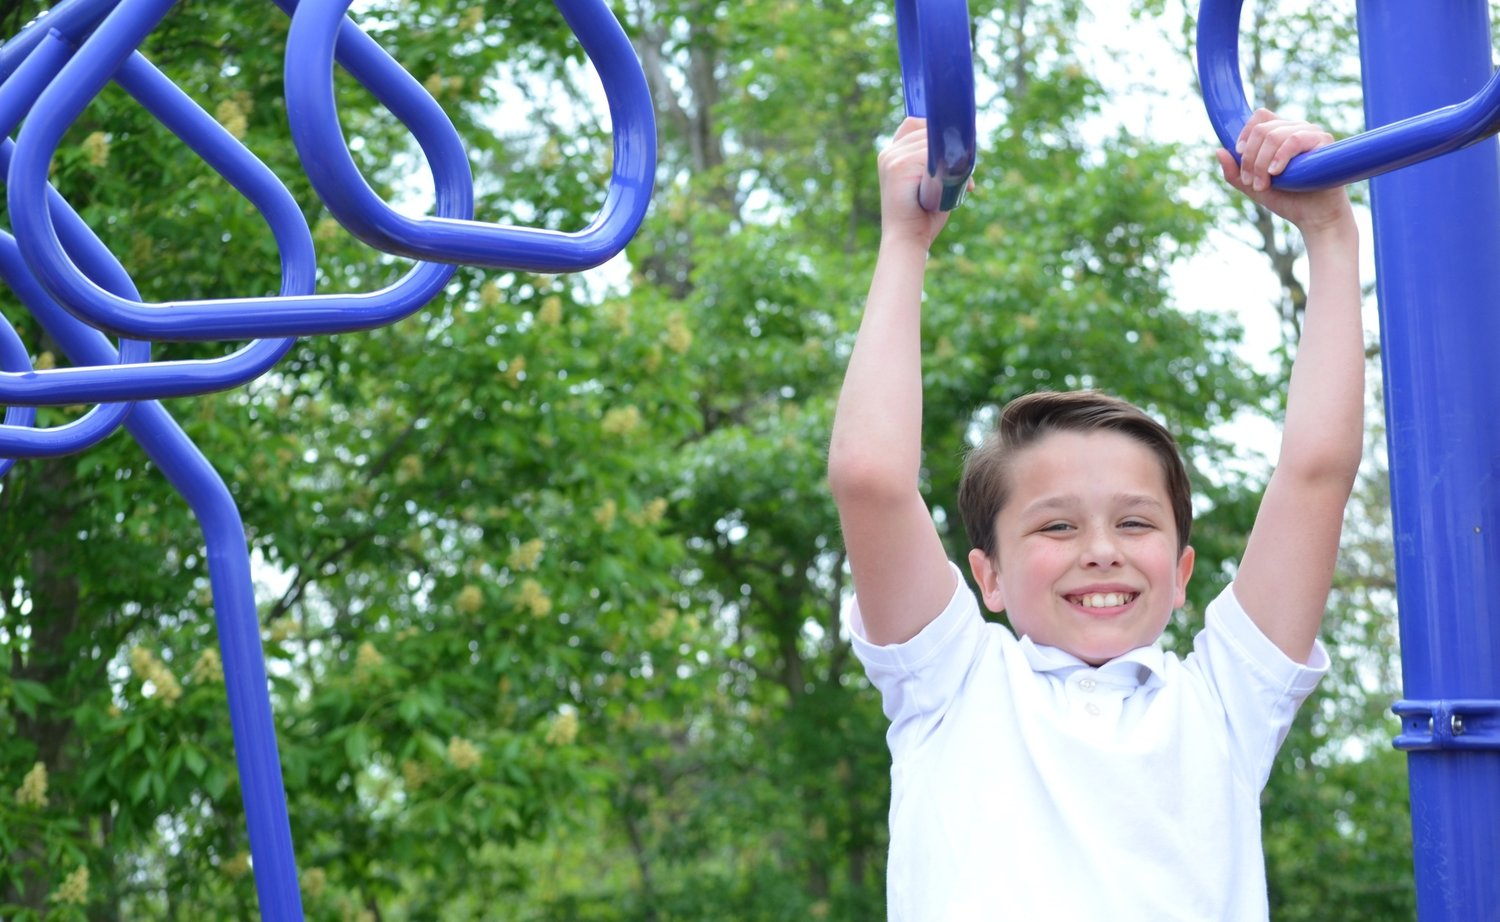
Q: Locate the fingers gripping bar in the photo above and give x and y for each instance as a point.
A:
(937, 74)
(1376, 151)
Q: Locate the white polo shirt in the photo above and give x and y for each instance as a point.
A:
(1028, 785)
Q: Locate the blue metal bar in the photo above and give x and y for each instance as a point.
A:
(238, 626)
(110, 48)
(313, 114)
(17, 439)
(71, 17)
(937, 75)
(1437, 247)
(69, 277)
(1411, 138)
(13, 357)
(135, 377)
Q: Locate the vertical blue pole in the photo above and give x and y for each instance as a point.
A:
(1437, 248)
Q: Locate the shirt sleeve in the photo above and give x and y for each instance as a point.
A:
(1259, 686)
(920, 678)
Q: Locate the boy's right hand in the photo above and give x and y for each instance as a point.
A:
(1266, 145)
(903, 166)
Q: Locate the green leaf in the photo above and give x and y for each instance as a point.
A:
(357, 746)
(215, 782)
(196, 763)
(28, 694)
(140, 786)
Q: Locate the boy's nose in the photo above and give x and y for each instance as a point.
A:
(1101, 549)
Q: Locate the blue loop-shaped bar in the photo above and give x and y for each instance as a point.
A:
(293, 313)
(318, 25)
(1376, 151)
(135, 378)
(17, 437)
(255, 748)
(70, 17)
(937, 73)
(13, 358)
(23, 77)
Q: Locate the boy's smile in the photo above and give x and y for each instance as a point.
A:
(1087, 557)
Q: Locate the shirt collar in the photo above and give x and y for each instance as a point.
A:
(1141, 667)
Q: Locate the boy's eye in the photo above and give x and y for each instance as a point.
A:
(1057, 527)
(1134, 523)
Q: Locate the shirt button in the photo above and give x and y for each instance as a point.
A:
(1092, 708)
(1087, 685)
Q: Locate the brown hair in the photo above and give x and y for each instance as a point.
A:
(985, 485)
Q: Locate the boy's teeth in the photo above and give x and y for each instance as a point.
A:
(1104, 599)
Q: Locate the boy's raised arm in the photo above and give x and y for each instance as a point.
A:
(901, 573)
(1287, 570)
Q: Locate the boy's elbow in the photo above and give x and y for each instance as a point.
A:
(865, 477)
(1333, 471)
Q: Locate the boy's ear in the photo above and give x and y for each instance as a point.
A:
(1184, 573)
(987, 575)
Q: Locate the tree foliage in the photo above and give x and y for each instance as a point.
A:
(549, 582)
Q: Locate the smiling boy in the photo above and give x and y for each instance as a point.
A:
(1073, 769)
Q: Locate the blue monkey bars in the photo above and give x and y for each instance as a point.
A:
(75, 288)
(937, 77)
(1429, 90)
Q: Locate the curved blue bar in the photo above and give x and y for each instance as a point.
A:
(111, 47)
(134, 378)
(17, 438)
(255, 748)
(70, 17)
(937, 73)
(1412, 139)
(13, 358)
(86, 385)
(313, 114)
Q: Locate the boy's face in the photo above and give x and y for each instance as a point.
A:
(1087, 548)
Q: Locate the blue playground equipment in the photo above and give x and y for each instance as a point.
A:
(937, 78)
(1429, 90)
(65, 276)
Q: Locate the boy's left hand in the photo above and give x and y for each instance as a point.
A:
(1266, 145)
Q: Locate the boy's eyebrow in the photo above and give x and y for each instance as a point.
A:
(1049, 503)
(1068, 501)
(1134, 500)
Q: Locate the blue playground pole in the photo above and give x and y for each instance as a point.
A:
(1437, 248)
(1430, 92)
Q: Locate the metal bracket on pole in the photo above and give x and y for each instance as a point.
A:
(1458, 723)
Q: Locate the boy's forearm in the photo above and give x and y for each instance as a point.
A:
(1323, 435)
(877, 429)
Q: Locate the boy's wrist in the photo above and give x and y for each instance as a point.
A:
(1333, 224)
(896, 241)
(1337, 230)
